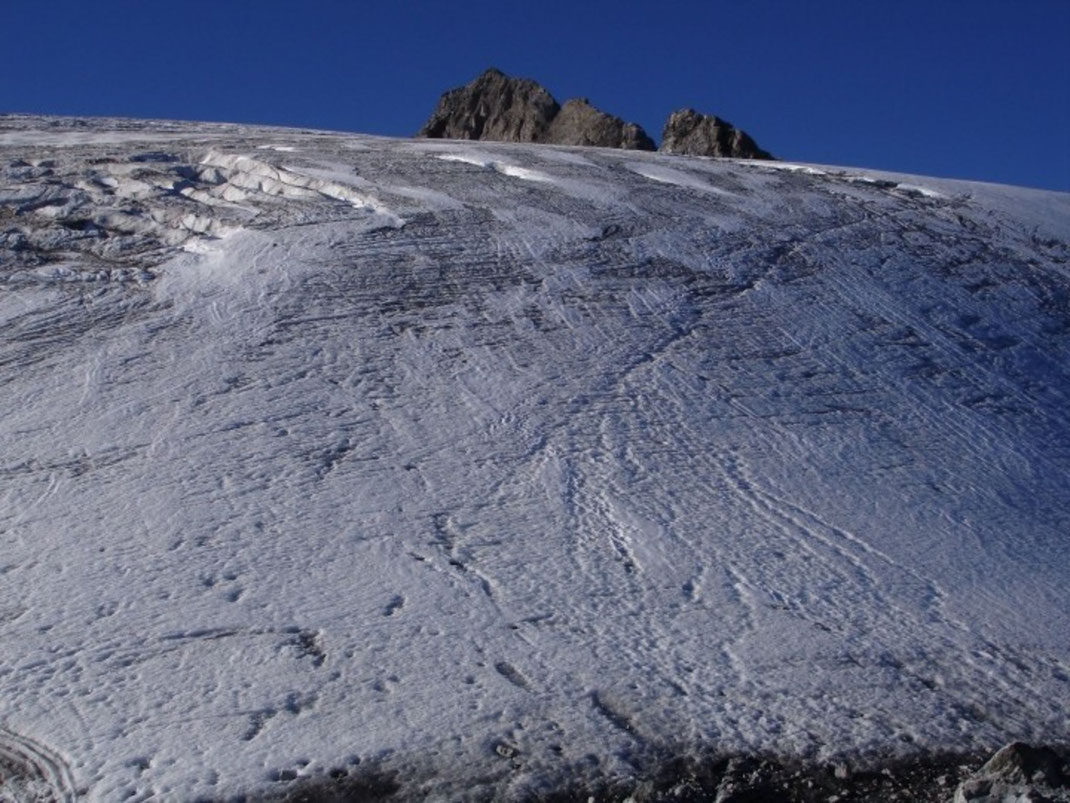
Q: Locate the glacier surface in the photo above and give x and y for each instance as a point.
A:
(489, 465)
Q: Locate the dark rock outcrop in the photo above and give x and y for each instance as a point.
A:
(580, 123)
(493, 106)
(1018, 772)
(694, 134)
(497, 107)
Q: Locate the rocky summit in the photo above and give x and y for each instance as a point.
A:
(496, 106)
(689, 132)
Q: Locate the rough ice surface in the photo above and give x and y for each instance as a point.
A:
(505, 465)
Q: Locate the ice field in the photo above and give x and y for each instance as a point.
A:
(487, 465)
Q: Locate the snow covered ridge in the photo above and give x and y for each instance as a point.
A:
(481, 468)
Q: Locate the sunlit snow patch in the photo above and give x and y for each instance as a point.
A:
(504, 168)
(670, 175)
(904, 187)
(786, 166)
(919, 190)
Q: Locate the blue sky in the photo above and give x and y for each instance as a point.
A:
(966, 88)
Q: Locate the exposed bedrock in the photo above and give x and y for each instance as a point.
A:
(498, 107)
(689, 132)
(494, 106)
(580, 123)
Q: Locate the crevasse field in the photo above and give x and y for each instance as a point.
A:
(492, 465)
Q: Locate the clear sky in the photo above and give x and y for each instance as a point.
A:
(965, 88)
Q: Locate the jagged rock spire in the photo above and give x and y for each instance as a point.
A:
(496, 106)
(689, 132)
(493, 106)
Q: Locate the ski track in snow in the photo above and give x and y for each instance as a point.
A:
(491, 466)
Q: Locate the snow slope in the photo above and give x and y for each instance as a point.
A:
(488, 465)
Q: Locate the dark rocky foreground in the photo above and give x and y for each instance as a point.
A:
(1017, 772)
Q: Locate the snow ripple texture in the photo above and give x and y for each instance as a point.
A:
(491, 465)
